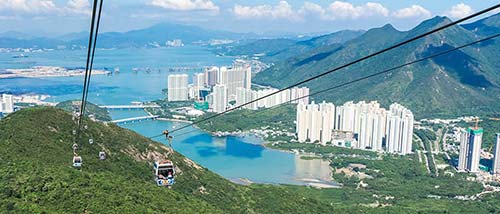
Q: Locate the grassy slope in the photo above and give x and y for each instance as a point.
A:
(36, 174)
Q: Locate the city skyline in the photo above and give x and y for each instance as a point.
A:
(43, 17)
(359, 125)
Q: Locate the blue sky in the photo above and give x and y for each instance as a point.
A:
(55, 17)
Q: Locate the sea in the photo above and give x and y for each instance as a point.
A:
(142, 76)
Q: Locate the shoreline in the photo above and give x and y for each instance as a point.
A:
(316, 182)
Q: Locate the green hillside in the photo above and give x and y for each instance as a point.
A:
(464, 82)
(486, 26)
(36, 174)
(275, 50)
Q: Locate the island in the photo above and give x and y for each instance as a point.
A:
(46, 71)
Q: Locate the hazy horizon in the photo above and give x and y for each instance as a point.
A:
(60, 17)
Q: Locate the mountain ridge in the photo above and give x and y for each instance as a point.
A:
(436, 87)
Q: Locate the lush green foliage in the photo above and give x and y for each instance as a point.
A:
(399, 181)
(36, 174)
(90, 109)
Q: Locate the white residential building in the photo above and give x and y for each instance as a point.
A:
(470, 149)
(496, 160)
(244, 95)
(198, 84)
(178, 87)
(238, 76)
(369, 124)
(399, 129)
(220, 99)
(327, 121)
(211, 76)
(301, 122)
(303, 93)
(315, 122)
(7, 103)
(273, 100)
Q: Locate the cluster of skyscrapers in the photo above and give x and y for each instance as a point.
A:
(218, 86)
(239, 75)
(6, 103)
(470, 151)
(357, 125)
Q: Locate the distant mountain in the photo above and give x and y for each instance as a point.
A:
(153, 36)
(274, 50)
(9, 42)
(15, 35)
(463, 82)
(486, 26)
(159, 34)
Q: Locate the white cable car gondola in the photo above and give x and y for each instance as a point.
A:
(164, 172)
(91, 141)
(77, 161)
(102, 156)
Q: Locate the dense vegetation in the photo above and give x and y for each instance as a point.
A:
(399, 184)
(36, 174)
(91, 110)
(461, 83)
(279, 118)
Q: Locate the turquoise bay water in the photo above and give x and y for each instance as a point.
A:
(231, 157)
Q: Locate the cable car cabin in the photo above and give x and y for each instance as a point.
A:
(77, 161)
(164, 173)
(102, 156)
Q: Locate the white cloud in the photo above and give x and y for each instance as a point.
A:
(312, 9)
(283, 10)
(346, 10)
(459, 11)
(185, 5)
(336, 10)
(45, 7)
(78, 7)
(28, 6)
(415, 11)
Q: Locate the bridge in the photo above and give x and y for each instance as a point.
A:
(135, 119)
(121, 107)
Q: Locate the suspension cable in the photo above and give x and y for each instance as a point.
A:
(93, 53)
(94, 31)
(348, 64)
(89, 51)
(367, 77)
